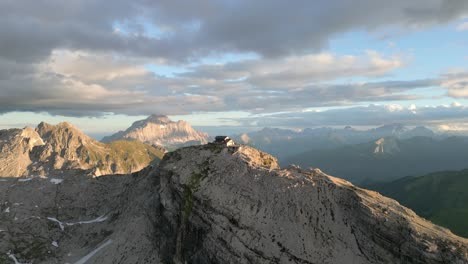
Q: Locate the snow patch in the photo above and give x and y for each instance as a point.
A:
(10, 255)
(24, 179)
(97, 220)
(84, 259)
(56, 181)
(62, 225)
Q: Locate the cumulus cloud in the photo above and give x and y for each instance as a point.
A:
(456, 84)
(85, 83)
(178, 30)
(90, 58)
(463, 26)
(298, 71)
(371, 115)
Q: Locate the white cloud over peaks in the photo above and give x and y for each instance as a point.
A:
(463, 26)
(456, 84)
(32, 30)
(371, 115)
(92, 83)
(95, 66)
(394, 108)
(90, 57)
(297, 71)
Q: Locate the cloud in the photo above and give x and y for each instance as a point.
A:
(463, 26)
(298, 71)
(456, 84)
(81, 83)
(90, 58)
(178, 31)
(371, 115)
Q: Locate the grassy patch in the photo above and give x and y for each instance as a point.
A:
(440, 197)
(454, 219)
(128, 154)
(193, 186)
(215, 148)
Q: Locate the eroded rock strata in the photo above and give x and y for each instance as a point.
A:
(214, 204)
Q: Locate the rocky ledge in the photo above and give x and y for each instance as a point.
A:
(215, 204)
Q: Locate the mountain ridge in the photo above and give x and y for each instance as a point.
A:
(439, 196)
(160, 130)
(61, 147)
(284, 143)
(392, 158)
(216, 204)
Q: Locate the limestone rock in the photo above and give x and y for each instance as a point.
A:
(15, 146)
(227, 206)
(76, 217)
(64, 147)
(386, 146)
(161, 131)
(214, 204)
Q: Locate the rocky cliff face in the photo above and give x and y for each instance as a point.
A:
(15, 147)
(236, 206)
(160, 130)
(76, 219)
(63, 147)
(387, 145)
(214, 204)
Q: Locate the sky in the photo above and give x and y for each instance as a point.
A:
(233, 63)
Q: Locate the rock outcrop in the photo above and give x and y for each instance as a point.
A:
(387, 145)
(236, 206)
(72, 218)
(15, 147)
(214, 204)
(160, 130)
(63, 147)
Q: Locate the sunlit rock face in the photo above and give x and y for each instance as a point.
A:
(235, 205)
(15, 147)
(63, 147)
(386, 146)
(214, 204)
(161, 131)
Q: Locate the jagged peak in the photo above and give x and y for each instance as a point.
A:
(162, 131)
(273, 201)
(387, 145)
(50, 132)
(65, 124)
(159, 119)
(43, 126)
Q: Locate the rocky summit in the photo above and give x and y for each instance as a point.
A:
(160, 130)
(61, 147)
(213, 204)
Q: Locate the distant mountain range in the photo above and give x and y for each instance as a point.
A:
(441, 197)
(50, 148)
(284, 143)
(161, 131)
(388, 158)
(379, 154)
